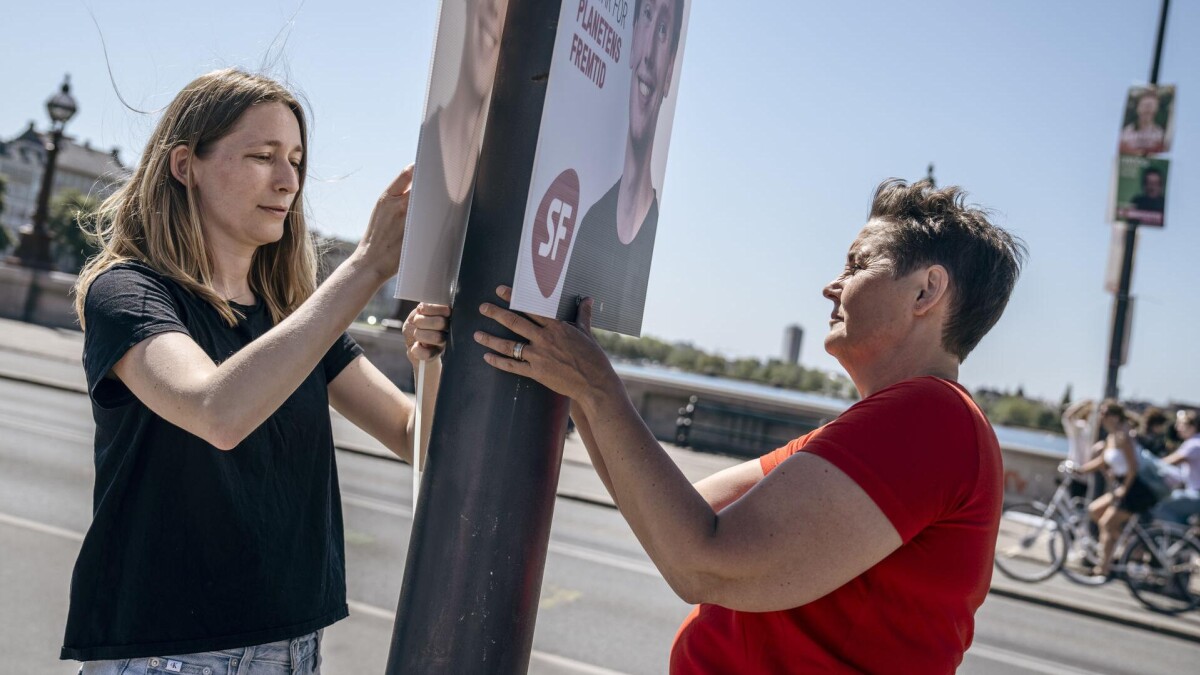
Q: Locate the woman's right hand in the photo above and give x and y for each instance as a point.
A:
(425, 331)
(381, 244)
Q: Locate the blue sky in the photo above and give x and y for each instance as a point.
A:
(789, 114)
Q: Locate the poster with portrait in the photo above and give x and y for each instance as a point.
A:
(1140, 192)
(1149, 120)
(460, 86)
(596, 190)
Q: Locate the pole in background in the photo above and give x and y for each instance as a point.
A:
(473, 578)
(1121, 306)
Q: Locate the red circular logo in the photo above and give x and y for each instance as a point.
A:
(554, 229)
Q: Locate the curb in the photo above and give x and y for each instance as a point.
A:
(1123, 619)
(1147, 624)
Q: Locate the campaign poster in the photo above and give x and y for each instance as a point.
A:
(1141, 190)
(460, 86)
(1149, 120)
(596, 190)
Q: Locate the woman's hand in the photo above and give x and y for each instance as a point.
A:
(562, 356)
(425, 331)
(381, 244)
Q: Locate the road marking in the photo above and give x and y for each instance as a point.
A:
(40, 527)
(563, 662)
(45, 429)
(1030, 663)
(569, 665)
(570, 550)
(603, 558)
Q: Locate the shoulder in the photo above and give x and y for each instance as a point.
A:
(126, 280)
(917, 401)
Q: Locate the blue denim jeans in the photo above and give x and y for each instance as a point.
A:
(301, 656)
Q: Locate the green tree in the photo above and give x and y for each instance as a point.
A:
(71, 244)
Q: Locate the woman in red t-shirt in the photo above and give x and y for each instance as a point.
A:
(865, 545)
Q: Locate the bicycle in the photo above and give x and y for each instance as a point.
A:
(1035, 538)
(1159, 562)
(1162, 568)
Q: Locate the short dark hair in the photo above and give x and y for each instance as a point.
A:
(1152, 417)
(934, 226)
(676, 29)
(1110, 406)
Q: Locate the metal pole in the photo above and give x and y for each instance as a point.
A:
(478, 548)
(1121, 301)
(34, 247)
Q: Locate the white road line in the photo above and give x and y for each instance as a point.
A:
(45, 429)
(1019, 660)
(603, 558)
(562, 662)
(570, 550)
(40, 527)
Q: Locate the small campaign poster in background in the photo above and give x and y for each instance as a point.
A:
(1141, 190)
(596, 189)
(1149, 120)
(460, 87)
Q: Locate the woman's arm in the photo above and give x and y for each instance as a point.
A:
(796, 535)
(223, 403)
(374, 404)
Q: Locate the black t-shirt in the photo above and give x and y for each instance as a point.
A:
(193, 549)
(614, 274)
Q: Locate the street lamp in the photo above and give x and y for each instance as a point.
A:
(34, 247)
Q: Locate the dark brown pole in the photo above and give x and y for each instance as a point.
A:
(1121, 301)
(478, 549)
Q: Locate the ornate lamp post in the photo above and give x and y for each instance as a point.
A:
(33, 250)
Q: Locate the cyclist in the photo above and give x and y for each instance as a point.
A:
(1130, 495)
(1185, 502)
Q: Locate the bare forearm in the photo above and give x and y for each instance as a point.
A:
(584, 427)
(248, 387)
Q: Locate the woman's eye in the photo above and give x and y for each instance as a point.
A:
(261, 158)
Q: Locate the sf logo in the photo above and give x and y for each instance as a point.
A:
(553, 229)
(556, 228)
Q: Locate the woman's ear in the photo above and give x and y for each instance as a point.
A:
(934, 289)
(180, 159)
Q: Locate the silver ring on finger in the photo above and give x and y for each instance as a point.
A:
(517, 350)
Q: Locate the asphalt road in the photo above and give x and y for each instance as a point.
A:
(604, 608)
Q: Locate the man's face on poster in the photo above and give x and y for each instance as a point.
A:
(481, 44)
(1152, 184)
(652, 59)
(1147, 108)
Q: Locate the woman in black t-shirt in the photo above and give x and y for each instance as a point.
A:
(211, 359)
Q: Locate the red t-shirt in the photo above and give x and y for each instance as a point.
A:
(927, 456)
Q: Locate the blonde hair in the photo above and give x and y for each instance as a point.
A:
(155, 219)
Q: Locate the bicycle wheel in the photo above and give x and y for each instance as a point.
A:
(1162, 570)
(1031, 546)
(1083, 554)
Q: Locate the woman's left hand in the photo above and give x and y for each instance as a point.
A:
(425, 331)
(560, 355)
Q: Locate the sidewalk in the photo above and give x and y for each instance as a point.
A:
(51, 357)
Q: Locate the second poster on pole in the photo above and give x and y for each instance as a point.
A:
(596, 190)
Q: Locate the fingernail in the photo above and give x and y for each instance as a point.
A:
(483, 309)
(479, 336)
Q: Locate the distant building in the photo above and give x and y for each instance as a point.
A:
(80, 167)
(792, 337)
(383, 305)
